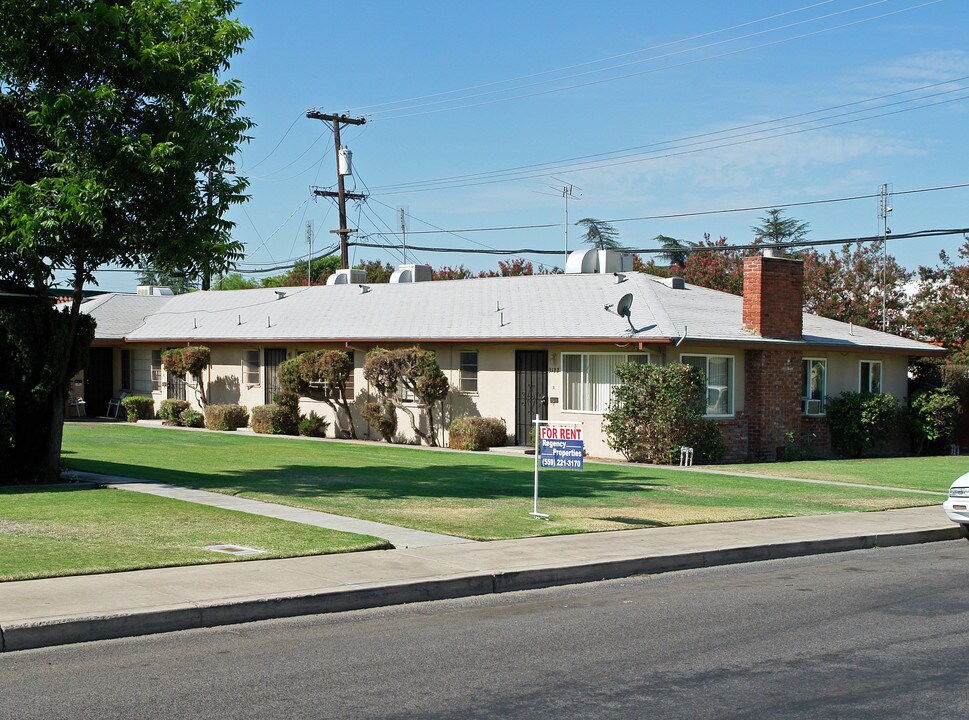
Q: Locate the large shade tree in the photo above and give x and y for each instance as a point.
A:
(115, 124)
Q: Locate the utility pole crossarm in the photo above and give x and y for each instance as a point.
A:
(341, 193)
(333, 193)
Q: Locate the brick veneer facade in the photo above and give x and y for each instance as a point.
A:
(774, 297)
(772, 400)
(773, 307)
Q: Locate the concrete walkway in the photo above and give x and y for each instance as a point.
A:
(399, 537)
(39, 613)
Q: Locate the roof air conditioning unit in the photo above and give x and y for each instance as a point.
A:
(154, 290)
(347, 277)
(412, 273)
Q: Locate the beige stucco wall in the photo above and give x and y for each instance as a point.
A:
(496, 381)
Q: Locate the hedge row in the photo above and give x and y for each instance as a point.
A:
(477, 433)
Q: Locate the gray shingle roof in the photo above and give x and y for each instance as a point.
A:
(118, 315)
(546, 307)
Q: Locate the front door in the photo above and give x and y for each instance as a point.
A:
(176, 387)
(531, 391)
(99, 381)
(271, 359)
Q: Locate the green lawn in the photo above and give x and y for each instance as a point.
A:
(482, 496)
(76, 530)
(918, 473)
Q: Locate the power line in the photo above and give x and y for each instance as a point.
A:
(580, 160)
(702, 248)
(587, 63)
(680, 152)
(697, 213)
(668, 67)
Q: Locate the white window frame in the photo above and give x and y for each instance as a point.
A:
(881, 376)
(156, 371)
(247, 372)
(583, 371)
(141, 371)
(805, 382)
(731, 382)
(471, 376)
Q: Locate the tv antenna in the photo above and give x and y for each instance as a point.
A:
(568, 191)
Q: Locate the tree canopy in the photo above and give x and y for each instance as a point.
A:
(777, 229)
(115, 125)
(600, 234)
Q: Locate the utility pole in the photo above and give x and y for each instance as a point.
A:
(341, 194)
(884, 208)
(309, 256)
(403, 235)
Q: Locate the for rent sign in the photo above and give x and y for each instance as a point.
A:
(561, 446)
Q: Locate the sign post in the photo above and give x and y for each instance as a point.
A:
(558, 445)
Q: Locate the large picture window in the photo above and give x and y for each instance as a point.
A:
(141, 370)
(718, 370)
(588, 379)
(813, 386)
(870, 376)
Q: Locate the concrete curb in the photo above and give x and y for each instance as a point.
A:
(190, 616)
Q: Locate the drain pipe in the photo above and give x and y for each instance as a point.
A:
(686, 329)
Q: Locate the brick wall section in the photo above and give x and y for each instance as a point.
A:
(735, 437)
(816, 436)
(772, 400)
(773, 297)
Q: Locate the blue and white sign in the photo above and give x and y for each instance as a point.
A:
(561, 447)
(558, 445)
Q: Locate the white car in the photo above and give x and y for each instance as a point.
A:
(957, 506)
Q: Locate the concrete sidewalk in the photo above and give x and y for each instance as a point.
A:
(399, 537)
(40, 613)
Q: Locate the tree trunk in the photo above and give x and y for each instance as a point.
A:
(50, 472)
(346, 408)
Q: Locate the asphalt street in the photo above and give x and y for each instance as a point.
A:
(872, 633)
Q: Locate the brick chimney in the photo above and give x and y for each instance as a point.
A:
(773, 296)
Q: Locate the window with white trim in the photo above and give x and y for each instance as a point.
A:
(588, 379)
(718, 370)
(469, 371)
(814, 377)
(870, 376)
(250, 367)
(156, 370)
(141, 370)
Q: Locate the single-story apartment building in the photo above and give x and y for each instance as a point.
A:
(514, 347)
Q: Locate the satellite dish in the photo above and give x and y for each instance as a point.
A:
(623, 309)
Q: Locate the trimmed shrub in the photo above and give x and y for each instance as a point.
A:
(382, 418)
(273, 420)
(191, 418)
(171, 410)
(138, 407)
(289, 378)
(477, 433)
(656, 409)
(225, 417)
(857, 419)
(259, 419)
(934, 414)
(313, 425)
(190, 360)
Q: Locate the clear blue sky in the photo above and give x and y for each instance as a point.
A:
(698, 88)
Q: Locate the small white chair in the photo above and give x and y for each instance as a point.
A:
(77, 405)
(116, 404)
